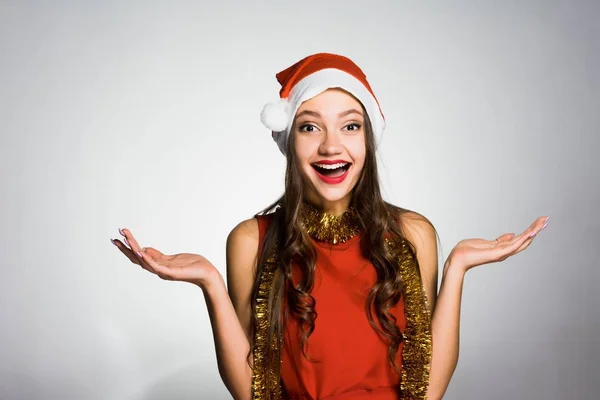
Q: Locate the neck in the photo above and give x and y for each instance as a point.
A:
(333, 208)
(330, 228)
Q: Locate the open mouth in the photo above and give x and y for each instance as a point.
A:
(332, 170)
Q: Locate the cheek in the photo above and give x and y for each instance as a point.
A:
(358, 152)
(302, 156)
(359, 166)
(305, 149)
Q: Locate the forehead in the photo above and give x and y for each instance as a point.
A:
(331, 100)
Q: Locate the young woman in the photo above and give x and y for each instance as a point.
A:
(331, 291)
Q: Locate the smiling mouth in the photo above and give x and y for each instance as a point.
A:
(332, 170)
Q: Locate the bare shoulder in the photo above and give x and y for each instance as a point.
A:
(422, 234)
(242, 247)
(241, 255)
(245, 232)
(417, 228)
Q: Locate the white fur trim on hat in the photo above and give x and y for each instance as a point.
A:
(278, 117)
(274, 115)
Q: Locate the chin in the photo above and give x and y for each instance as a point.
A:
(332, 192)
(332, 195)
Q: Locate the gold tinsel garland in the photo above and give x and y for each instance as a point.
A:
(265, 382)
(330, 228)
(416, 352)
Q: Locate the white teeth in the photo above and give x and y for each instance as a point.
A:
(331, 166)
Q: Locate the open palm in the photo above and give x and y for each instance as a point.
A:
(186, 267)
(470, 253)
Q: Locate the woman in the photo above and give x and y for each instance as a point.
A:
(332, 292)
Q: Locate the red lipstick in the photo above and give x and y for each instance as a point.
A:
(329, 162)
(333, 181)
(329, 179)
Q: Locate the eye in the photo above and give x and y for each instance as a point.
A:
(307, 128)
(352, 127)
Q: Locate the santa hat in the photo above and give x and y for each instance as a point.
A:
(310, 77)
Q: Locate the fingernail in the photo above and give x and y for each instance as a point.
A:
(532, 234)
(125, 240)
(113, 242)
(545, 225)
(139, 254)
(121, 232)
(547, 218)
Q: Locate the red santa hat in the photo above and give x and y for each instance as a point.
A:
(310, 77)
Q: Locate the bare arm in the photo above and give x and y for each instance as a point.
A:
(231, 343)
(445, 328)
(446, 305)
(230, 312)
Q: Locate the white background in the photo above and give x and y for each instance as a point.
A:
(145, 115)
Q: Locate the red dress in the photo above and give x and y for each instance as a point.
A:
(351, 358)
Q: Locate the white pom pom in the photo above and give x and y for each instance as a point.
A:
(275, 116)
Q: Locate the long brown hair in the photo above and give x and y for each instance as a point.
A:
(379, 220)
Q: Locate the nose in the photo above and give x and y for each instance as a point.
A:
(331, 143)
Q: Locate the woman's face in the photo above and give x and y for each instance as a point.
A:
(330, 147)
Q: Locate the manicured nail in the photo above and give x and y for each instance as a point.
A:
(532, 234)
(121, 232)
(139, 254)
(125, 240)
(113, 242)
(545, 225)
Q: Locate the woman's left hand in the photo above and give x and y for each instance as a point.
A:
(470, 253)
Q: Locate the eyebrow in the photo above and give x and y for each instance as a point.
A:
(340, 115)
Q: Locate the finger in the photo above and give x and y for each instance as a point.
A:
(159, 261)
(130, 239)
(514, 249)
(539, 224)
(509, 247)
(532, 237)
(135, 248)
(522, 241)
(518, 241)
(155, 254)
(505, 237)
(125, 250)
(531, 231)
(524, 245)
(159, 269)
(137, 259)
(496, 242)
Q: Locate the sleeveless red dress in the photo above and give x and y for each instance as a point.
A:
(351, 359)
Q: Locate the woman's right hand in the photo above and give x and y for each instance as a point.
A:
(185, 267)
